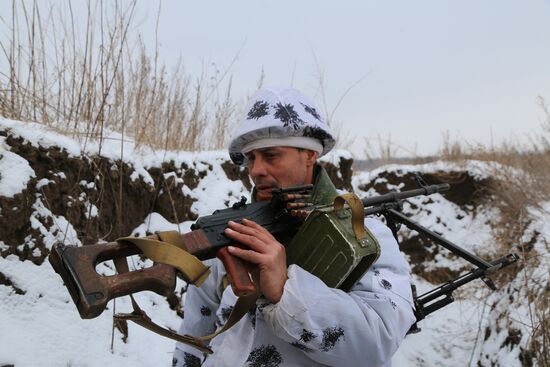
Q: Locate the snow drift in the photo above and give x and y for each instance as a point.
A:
(56, 189)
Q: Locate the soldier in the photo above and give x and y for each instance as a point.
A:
(298, 320)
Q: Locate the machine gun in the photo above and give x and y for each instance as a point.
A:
(282, 216)
(173, 253)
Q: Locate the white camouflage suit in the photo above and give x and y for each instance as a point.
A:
(312, 324)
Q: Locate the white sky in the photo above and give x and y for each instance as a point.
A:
(471, 68)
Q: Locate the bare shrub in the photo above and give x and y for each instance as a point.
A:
(82, 79)
(381, 151)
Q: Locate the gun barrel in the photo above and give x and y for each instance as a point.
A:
(395, 196)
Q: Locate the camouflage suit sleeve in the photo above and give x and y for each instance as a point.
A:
(361, 328)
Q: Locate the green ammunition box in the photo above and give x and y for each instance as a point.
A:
(334, 245)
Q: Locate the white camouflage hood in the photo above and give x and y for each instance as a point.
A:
(280, 116)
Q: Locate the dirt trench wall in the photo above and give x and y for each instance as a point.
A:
(468, 194)
(101, 198)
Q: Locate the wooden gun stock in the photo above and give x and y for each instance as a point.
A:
(91, 291)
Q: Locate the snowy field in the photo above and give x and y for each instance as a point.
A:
(40, 326)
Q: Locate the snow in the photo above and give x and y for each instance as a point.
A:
(43, 327)
(156, 222)
(335, 155)
(214, 189)
(443, 341)
(61, 230)
(46, 321)
(45, 317)
(40, 135)
(15, 173)
(477, 169)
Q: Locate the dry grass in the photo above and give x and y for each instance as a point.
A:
(523, 173)
(383, 150)
(84, 78)
(522, 184)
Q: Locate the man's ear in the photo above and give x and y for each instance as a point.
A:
(311, 157)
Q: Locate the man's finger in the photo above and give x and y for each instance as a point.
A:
(255, 231)
(247, 255)
(242, 228)
(249, 240)
(251, 224)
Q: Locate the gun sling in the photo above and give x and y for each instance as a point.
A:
(171, 250)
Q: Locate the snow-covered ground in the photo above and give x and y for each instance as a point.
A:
(39, 324)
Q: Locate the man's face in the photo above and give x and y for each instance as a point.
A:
(279, 167)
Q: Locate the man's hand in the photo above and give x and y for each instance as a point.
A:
(265, 252)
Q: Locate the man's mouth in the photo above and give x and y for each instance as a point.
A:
(265, 188)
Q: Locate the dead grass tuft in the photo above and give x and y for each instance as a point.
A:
(84, 77)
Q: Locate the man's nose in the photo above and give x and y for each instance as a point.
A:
(257, 168)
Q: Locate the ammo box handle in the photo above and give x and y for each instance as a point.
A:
(357, 213)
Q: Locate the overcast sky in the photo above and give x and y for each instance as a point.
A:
(472, 68)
